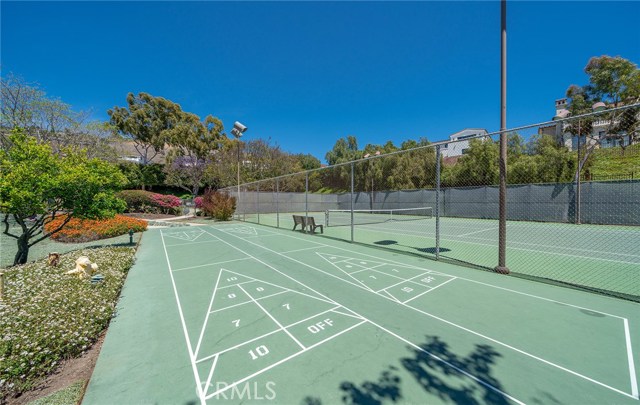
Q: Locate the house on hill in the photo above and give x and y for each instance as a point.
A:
(459, 143)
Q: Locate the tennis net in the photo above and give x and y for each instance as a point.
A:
(362, 217)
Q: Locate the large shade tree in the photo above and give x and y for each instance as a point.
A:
(613, 81)
(38, 186)
(148, 122)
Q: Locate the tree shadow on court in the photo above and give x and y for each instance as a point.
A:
(439, 371)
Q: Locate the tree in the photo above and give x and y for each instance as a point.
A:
(37, 186)
(614, 81)
(148, 122)
(192, 142)
(478, 167)
(25, 105)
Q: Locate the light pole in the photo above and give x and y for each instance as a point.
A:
(237, 131)
(368, 155)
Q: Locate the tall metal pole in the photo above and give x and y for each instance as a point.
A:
(502, 222)
(578, 185)
(437, 202)
(258, 201)
(238, 196)
(351, 201)
(277, 204)
(306, 194)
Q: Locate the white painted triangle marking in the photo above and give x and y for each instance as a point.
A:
(334, 264)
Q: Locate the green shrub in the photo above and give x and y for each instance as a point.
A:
(137, 200)
(218, 204)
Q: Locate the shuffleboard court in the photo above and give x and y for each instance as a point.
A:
(244, 313)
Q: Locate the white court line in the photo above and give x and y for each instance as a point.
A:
(248, 302)
(192, 243)
(365, 268)
(480, 231)
(206, 318)
(479, 381)
(409, 279)
(521, 352)
(213, 367)
(390, 261)
(342, 313)
(273, 319)
(210, 264)
(267, 334)
(469, 330)
(432, 288)
(363, 285)
(284, 288)
(255, 236)
(367, 320)
(202, 233)
(389, 296)
(632, 367)
(233, 285)
(194, 368)
(283, 360)
(300, 250)
(422, 234)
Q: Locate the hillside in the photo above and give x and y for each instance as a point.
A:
(616, 162)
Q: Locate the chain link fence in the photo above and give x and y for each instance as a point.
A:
(571, 217)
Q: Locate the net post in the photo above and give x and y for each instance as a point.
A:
(277, 205)
(502, 221)
(351, 199)
(437, 202)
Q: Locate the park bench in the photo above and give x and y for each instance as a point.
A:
(306, 221)
(311, 222)
(299, 220)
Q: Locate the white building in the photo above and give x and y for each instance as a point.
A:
(598, 134)
(457, 146)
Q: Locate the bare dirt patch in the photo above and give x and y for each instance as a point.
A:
(69, 371)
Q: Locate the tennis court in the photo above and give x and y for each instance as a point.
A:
(242, 312)
(608, 255)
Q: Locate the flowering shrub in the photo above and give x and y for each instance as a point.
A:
(218, 204)
(198, 202)
(85, 230)
(148, 202)
(49, 316)
(168, 203)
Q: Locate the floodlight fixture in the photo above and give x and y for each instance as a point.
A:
(238, 129)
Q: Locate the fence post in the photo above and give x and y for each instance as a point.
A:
(306, 194)
(352, 202)
(258, 201)
(277, 205)
(438, 202)
(578, 184)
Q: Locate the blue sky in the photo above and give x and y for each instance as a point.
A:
(307, 73)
